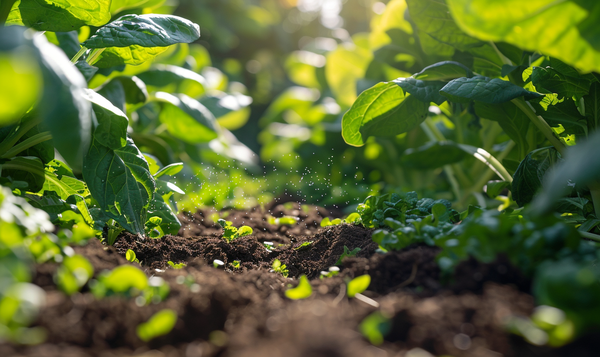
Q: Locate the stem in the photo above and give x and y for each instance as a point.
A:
(595, 192)
(78, 54)
(26, 125)
(94, 55)
(26, 144)
(590, 236)
(503, 58)
(489, 160)
(541, 124)
(5, 7)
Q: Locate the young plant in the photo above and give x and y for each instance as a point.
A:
(159, 324)
(231, 233)
(326, 222)
(347, 253)
(332, 271)
(358, 285)
(304, 246)
(302, 291)
(236, 264)
(176, 266)
(218, 263)
(278, 267)
(131, 257)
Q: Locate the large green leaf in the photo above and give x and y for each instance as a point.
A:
(121, 182)
(64, 186)
(134, 55)
(566, 114)
(567, 83)
(528, 178)
(187, 119)
(159, 208)
(511, 119)
(548, 26)
(144, 30)
(484, 89)
(438, 33)
(175, 79)
(345, 66)
(59, 15)
(433, 155)
(383, 110)
(122, 89)
(592, 106)
(112, 122)
(63, 108)
(425, 91)
(28, 169)
(43, 150)
(443, 71)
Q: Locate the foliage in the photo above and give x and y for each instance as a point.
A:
(332, 271)
(176, 265)
(280, 268)
(374, 327)
(358, 285)
(159, 324)
(302, 291)
(231, 233)
(346, 254)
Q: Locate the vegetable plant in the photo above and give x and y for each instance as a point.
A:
(231, 233)
(302, 291)
(280, 268)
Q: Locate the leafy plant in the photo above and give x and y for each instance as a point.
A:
(159, 324)
(302, 291)
(131, 257)
(280, 268)
(304, 246)
(347, 253)
(176, 266)
(73, 274)
(327, 222)
(285, 220)
(236, 264)
(332, 271)
(231, 233)
(358, 285)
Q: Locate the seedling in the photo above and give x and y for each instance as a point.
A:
(130, 256)
(176, 266)
(114, 229)
(374, 327)
(159, 324)
(347, 253)
(236, 264)
(326, 222)
(302, 291)
(268, 246)
(153, 228)
(358, 285)
(218, 263)
(280, 268)
(230, 233)
(332, 271)
(304, 246)
(283, 221)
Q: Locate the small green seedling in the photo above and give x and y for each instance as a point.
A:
(353, 218)
(358, 285)
(131, 257)
(304, 246)
(326, 222)
(283, 221)
(236, 264)
(332, 271)
(176, 266)
(159, 324)
(280, 268)
(73, 274)
(268, 246)
(218, 263)
(153, 228)
(347, 253)
(374, 327)
(230, 233)
(302, 291)
(114, 229)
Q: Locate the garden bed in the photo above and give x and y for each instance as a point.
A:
(244, 312)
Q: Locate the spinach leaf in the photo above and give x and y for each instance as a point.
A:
(383, 110)
(425, 91)
(121, 182)
(484, 89)
(112, 122)
(529, 176)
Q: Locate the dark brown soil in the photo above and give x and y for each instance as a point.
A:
(244, 312)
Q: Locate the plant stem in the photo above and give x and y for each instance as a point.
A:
(5, 7)
(93, 57)
(590, 236)
(27, 124)
(595, 192)
(503, 58)
(489, 160)
(78, 54)
(26, 144)
(541, 124)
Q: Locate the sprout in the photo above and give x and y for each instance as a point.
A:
(218, 263)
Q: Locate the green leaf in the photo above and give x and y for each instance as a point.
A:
(494, 188)
(383, 110)
(302, 291)
(358, 285)
(149, 30)
(59, 15)
(131, 257)
(565, 113)
(438, 33)
(134, 55)
(43, 150)
(159, 324)
(484, 89)
(121, 90)
(425, 91)
(67, 41)
(244, 231)
(174, 79)
(511, 119)
(433, 155)
(346, 66)
(170, 170)
(550, 27)
(529, 176)
(187, 119)
(443, 71)
(169, 222)
(28, 169)
(121, 182)
(117, 6)
(122, 279)
(592, 107)
(65, 110)
(112, 122)
(570, 84)
(64, 186)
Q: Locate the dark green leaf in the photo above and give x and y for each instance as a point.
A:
(494, 188)
(529, 176)
(121, 90)
(187, 119)
(43, 150)
(433, 155)
(112, 122)
(27, 169)
(425, 91)
(59, 15)
(566, 114)
(592, 107)
(149, 30)
(68, 42)
(159, 208)
(383, 110)
(169, 170)
(87, 70)
(181, 80)
(569, 84)
(443, 71)
(484, 89)
(121, 182)
(511, 119)
(65, 111)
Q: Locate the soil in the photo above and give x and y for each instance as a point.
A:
(244, 312)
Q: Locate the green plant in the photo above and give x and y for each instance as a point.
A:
(236, 264)
(358, 285)
(302, 291)
(326, 222)
(131, 257)
(283, 221)
(332, 271)
(230, 233)
(304, 246)
(280, 268)
(159, 324)
(347, 253)
(176, 266)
